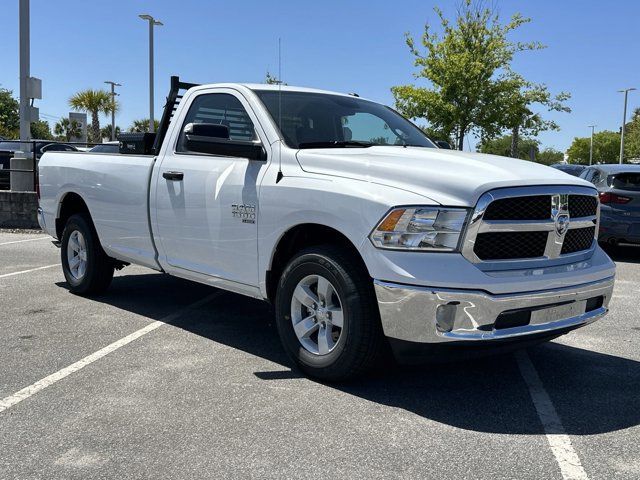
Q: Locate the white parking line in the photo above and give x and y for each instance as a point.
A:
(22, 241)
(27, 271)
(27, 392)
(566, 456)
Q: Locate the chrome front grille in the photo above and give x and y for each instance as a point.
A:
(535, 207)
(582, 206)
(532, 226)
(578, 239)
(509, 245)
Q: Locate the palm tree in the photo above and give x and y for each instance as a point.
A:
(105, 132)
(94, 102)
(142, 125)
(68, 129)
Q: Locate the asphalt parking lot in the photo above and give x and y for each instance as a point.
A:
(194, 384)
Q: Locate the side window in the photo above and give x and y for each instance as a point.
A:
(587, 174)
(596, 177)
(221, 109)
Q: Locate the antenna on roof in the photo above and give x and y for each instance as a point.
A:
(280, 175)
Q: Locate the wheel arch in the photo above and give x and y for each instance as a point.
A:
(297, 238)
(70, 203)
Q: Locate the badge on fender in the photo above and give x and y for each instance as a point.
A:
(247, 213)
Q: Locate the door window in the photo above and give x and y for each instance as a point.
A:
(220, 109)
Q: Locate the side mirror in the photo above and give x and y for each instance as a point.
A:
(443, 144)
(214, 139)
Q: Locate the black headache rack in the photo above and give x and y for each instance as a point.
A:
(173, 99)
(150, 143)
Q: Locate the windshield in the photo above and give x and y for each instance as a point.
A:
(319, 120)
(9, 145)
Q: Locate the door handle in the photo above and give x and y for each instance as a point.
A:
(173, 175)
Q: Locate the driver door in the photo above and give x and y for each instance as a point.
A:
(206, 205)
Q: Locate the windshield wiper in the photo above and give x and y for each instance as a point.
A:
(336, 144)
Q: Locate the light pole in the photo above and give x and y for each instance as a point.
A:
(624, 120)
(591, 146)
(113, 111)
(152, 22)
(25, 48)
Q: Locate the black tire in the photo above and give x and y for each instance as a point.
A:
(99, 267)
(361, 341)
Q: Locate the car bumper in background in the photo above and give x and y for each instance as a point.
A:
(41, 221)
(423, 315)
(619, 229)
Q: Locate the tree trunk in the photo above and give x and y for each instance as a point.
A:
(95, 128)
(461, 138)
(515, 139)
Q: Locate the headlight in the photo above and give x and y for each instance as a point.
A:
(421, 228)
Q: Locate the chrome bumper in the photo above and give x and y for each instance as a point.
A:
(427, 315)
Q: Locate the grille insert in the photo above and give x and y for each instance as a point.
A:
(578, 239)
(534, 207)
(509, 245)
(582, 206)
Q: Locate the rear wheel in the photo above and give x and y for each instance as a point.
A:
(87, 269)
(327, 316)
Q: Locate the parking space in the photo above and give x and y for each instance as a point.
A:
(208, 393)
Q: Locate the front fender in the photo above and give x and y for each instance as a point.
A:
(349, 206)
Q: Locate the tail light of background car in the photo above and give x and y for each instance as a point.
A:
(607, 197)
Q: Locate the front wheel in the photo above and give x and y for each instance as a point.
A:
(86, 267)
(326, 314)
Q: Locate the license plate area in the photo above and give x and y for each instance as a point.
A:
(559, 312)
(540, 315)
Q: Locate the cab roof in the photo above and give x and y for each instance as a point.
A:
(284, 88)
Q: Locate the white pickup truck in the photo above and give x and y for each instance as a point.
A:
(342, 213)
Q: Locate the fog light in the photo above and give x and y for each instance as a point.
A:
(446, 316)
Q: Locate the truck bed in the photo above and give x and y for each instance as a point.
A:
(114, 186)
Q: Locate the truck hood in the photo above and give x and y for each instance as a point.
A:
(447, 177)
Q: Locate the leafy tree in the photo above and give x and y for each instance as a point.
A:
(606, 148)
(502, 146)
(67, 129)
(437, 134)
(549, 156)
(142, 125)
(94, 102)
(632, 137)
(468, 70)
(105, 132)
(515, 109)
(41, 130)
(9, 114)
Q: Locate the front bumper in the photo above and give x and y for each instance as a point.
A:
(426, 315)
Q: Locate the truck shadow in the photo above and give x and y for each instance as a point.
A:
(593, 393)
(623, 254)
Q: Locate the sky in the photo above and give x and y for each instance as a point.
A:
(342, 45)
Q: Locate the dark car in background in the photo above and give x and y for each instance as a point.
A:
(107, 147)
(619, 190)
(569, 168)
(8, 148)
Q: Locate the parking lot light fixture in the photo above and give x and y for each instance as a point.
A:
(152, 22)
(113, 111)
(624, 120)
